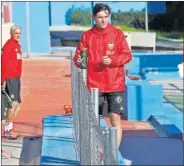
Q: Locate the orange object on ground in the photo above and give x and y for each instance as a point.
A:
(68, 109)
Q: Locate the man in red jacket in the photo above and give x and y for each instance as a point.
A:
(108, 52)
(11, 73)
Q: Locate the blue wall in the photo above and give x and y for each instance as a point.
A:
(39, 25)
(57, 14)
(155, 65)
(139, 104)
(19, 18)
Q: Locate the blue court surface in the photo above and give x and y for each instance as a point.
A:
(59, 146)
(58, 142)
(153, 151)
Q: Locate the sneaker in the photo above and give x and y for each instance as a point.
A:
(10, 134)
(127, 162)
(9, 126)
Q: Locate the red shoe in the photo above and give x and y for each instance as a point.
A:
(10, 134)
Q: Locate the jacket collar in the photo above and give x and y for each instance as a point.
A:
(102, 31)
(13, 40)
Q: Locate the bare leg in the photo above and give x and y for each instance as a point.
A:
(17, 109)
(11, 112)
(10, 118)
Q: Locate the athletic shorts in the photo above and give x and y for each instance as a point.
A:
(115, 101)
(12, 88)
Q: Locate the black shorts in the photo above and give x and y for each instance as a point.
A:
(115, 101)
(12, 88)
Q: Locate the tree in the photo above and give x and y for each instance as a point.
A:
(78, 16)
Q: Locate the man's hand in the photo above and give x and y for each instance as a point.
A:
(4, 84)
(107, 60)
(79, 60)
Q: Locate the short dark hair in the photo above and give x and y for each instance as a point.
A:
(100, 7)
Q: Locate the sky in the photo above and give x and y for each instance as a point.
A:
(62, 7)
(126, 6)
(115, 6)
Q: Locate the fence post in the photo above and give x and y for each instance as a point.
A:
(105, 132)
(84, 75)
(113, 142)
(95, 101)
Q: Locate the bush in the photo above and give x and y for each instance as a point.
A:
(172, 35)
(133, 19)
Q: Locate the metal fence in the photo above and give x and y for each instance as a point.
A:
(95, 146)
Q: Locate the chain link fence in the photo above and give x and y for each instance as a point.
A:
(94, 145)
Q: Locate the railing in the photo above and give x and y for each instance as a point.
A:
(95, 146)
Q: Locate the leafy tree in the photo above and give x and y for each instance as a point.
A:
(172, 20)
(78, 16)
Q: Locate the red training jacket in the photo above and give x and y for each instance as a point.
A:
(109, 41)
(11, 60)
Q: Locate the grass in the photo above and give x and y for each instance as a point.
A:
(158, 33)
(127, 28)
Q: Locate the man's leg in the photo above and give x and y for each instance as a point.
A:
(12, 89)
(116, 122)
(11, 116)
(17, 108)
(115, 108)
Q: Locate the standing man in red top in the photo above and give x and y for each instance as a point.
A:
(11, 73)
(108, 52)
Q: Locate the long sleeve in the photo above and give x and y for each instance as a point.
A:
(5, 52)
(123, 55)
(81, 45)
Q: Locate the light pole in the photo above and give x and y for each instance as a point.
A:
(146, 16)
(50, 17)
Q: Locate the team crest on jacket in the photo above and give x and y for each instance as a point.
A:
(111, 45)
